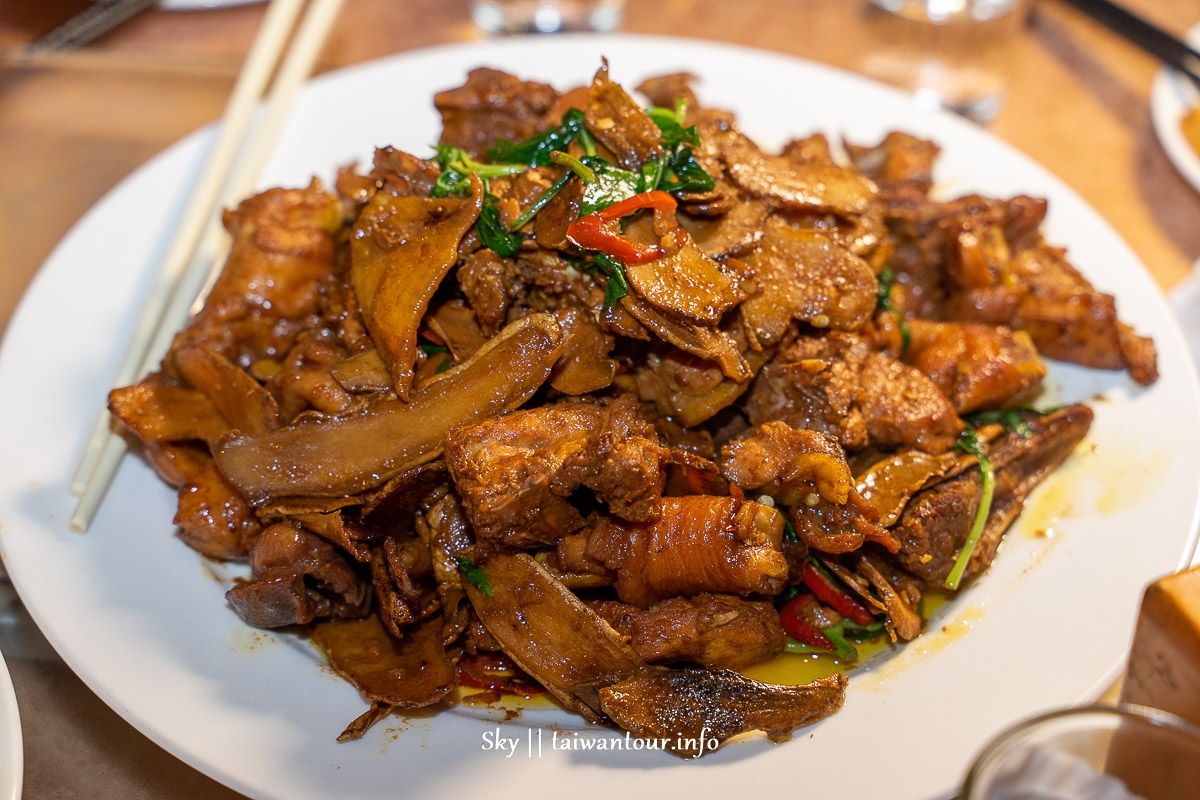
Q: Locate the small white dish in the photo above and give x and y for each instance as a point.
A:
(1171, 97)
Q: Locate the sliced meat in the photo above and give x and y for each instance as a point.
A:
(490, 106)
(904, 408)
(516, 473)
(713, 630)
(814, 384)
(214, 518)
(839, 527)
(620, 124)
(805, 274)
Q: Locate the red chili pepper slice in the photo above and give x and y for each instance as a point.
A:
(835, 597)
(599, 230)
(496, 673)
(791, 616)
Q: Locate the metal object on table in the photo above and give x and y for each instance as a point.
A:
(89, 24)
(1170, 50)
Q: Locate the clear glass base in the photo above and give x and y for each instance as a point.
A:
(546, 16)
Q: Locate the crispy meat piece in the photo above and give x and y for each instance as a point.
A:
(714, 630)
(697, 544)
(904, 408)
(977, 366)
(814, 384)
(493, 105)
(516, 473)
(298, 577)
(788, 464)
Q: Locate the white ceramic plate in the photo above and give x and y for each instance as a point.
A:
(12, 752)
(1171, 96)
(142, 619)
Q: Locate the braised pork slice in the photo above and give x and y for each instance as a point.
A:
(900, 161)
(298, 577)
(214, 518)
(807, 275)
(516, 473)
(714, 630)
(493, 105)
(904, 408)
(814, 384)
(839, 527)
(282, 253)
(936, 521)
(412, 672)
(696, 544)
(548, 631)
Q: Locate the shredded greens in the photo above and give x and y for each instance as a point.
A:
(604, 182)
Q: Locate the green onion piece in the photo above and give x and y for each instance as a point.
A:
(862, 633)
(836, 634)
(446, 364)
(970, 444)
(789, 532)
(475, 575)
(585, 173)
(800, 648)
(429, 348)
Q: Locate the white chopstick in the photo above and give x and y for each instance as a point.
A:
(222, 182)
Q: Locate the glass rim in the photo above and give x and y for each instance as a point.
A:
(1130, 711)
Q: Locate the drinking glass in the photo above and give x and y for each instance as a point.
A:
(1090, 753)
(546, 16)
(952, 54)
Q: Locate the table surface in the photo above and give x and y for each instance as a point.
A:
(72, 127)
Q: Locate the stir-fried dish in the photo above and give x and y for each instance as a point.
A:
(605, 401)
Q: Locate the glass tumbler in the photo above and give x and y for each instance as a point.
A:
(546, 16)
(1090, 753)
(952, 54)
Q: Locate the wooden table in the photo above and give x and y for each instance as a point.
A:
(72, 127)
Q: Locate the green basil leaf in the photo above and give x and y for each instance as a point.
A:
(492, 231)
(535, 151)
